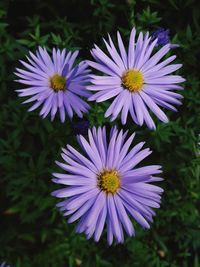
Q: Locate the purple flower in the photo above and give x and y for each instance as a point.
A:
(54, 83)
(162, 36)
(137, 80)
(104, 188)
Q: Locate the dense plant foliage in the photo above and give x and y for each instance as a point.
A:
(33, 232)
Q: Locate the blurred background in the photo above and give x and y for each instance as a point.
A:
(33, 232)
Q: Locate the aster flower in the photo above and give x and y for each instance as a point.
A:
(104, 186)
(54, 83)
(162, 36)
(136, 79)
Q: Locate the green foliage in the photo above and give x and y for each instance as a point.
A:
(33, 232)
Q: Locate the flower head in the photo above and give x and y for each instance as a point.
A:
(54, 83)
(137, 80)
(104, 188)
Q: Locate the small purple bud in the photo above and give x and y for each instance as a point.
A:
(163, 37)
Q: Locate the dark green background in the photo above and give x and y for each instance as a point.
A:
(33, 232)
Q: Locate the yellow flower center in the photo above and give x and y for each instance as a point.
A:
(133, 80)
(58, 82)
(109, 181)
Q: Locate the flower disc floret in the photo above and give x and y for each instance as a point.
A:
(133, 80)
(109, 181)
(58, 82)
